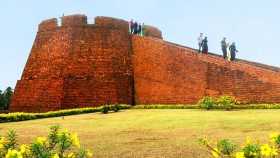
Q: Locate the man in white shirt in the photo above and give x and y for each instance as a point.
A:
(199, 42)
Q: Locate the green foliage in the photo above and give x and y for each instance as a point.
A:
(206, 103)
(105, 109)
(251, 150)
(180, 106)
(226, 102)
(161, 106)
(116, 108)
(11, 143)
(223, 102)
(13, 117)
(226, 147)
(5, 98)
(58, 145)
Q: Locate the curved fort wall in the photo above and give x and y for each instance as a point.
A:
(85, 65)
(76, 65)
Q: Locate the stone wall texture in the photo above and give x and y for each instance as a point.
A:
(87, 65)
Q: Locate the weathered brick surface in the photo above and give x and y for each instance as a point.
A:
(167, 73)
(92, 63)
(87, 65)
(153, 32)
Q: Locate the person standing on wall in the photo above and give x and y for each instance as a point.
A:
(204, 46)
(200, 39)
(224, 48)
(143, 29)
(139, 29)
(135, 28)
(232, 49)
(131, 25)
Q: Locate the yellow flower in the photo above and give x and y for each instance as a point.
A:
(22, 148)
(266, 149)
(66, 133)
(215, 152)
(274, 152)
(42, 140)
(273, 136)
(89, 154)
(71, 155)
(240, 155)
(55, 156)
(9, 153)
(248, 140)
(76, 140)
(12, 153)
(2, 140)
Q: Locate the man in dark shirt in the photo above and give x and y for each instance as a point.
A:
(232, 49)
(135, 28)
(224, 48)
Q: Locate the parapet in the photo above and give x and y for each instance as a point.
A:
(80, 20)
(153, 32)
(48, 24)
(101, 21)
(74, 20)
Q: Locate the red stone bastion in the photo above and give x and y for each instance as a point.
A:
(79, 65)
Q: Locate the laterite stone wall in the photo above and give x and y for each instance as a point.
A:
(166, 73)
(76, 65)
(87, 65)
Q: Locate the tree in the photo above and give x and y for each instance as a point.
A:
(2, 100)
(8, 97)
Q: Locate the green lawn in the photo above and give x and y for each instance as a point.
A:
(154, 133)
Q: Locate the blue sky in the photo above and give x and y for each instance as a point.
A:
(252, 24)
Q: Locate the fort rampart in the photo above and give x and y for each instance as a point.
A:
(86, 65)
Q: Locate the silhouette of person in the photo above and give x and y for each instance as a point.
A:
(204, 46)
(143, 29)
(200, 39)
(139, 29)
(232, 49)
(131, 25)
(135, 28)
(224, 48)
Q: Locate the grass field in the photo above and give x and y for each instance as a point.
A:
(154, 133)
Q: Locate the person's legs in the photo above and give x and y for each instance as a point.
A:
(199, 47)
(232, 56)
(224, 53)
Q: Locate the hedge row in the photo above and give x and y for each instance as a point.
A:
(181, 106)
(13, 117)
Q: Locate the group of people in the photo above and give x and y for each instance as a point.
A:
(230, 55)
(137, 28)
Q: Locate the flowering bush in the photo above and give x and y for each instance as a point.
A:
(250, 150)
(206, 103)
(57, 145)
(223, 102)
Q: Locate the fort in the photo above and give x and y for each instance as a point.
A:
(88, 65)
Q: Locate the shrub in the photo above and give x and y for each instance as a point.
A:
(207, 103)
(226, 102)
(105, 109)
(115, 108)
(223, 102)
(12, 117)
(250, 150)
(57, 145)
